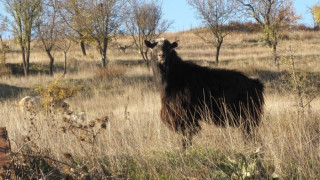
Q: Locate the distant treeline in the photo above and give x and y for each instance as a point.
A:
(254, 27)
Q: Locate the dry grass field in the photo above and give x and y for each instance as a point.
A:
(123, 136)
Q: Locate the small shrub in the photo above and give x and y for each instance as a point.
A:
(53, 95)
(305, 84)
(34, 161)
(87, 135)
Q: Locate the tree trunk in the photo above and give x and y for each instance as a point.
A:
(4, 54)
(83, 48)
(25, 67)
(147, 60)
(218, 51)
(103, 59)
(3, 58)
(145, 56)
(51, 58)
(65, 63)
(27, 59)
(3, 48)
(275, 55)
(104, 52)
(51, 66)
(24, 61)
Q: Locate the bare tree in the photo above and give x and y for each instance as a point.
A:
(76, 15)
(144, 22)
(23, 13)
(273, 16)
(215, 14)
(64, 43)
(3, 46)
(47, 29)
(106, 18)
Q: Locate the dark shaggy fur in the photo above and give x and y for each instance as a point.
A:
(190, 93)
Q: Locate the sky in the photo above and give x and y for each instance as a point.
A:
(183, 16)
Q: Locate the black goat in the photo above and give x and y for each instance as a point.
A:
(190, 93)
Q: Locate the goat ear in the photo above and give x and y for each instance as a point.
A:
(174, 44)
(149, 44)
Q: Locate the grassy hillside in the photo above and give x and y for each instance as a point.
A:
(124, 137)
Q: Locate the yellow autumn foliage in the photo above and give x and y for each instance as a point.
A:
(315, 9)
(53, 95)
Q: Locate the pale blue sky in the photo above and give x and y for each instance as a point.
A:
(183, 16)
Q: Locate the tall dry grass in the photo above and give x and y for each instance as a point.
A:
(136, 145)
